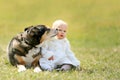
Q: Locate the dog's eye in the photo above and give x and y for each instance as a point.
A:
(27, 31)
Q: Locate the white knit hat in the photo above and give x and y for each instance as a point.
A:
(58, 23)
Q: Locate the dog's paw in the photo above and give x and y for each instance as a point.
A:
(21, 68)
(37, 69)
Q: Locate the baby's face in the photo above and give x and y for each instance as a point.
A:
(61, 31)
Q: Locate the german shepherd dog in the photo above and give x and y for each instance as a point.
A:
(20, 47)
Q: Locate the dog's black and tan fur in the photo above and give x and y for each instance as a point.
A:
(20, 45)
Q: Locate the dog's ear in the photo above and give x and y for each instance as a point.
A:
(27, 28)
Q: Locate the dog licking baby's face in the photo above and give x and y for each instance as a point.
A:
(38, 33)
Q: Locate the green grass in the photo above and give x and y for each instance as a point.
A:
(94, 34)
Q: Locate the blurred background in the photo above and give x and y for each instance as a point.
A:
(92, 23)
(94, 34)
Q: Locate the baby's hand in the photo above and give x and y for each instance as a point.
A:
(51, 58)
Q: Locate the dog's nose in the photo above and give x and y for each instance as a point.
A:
(56, 31)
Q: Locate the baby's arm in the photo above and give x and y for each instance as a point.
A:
(71, 55)
(46, 52)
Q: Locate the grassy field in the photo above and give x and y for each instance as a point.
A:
(94, 33)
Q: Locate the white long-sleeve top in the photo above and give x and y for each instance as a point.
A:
(60, 50)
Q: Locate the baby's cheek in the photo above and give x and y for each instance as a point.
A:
(64, 35)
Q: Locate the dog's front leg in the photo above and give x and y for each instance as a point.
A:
(21, 68)
(35, 64)
(21, 63)
(37, 69)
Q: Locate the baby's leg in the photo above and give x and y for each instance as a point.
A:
(66, 67)
(45, 64)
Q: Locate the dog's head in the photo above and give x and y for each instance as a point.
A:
(37, 34)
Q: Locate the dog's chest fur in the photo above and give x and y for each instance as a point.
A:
(29, 57)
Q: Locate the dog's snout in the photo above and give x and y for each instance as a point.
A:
(56, 30)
